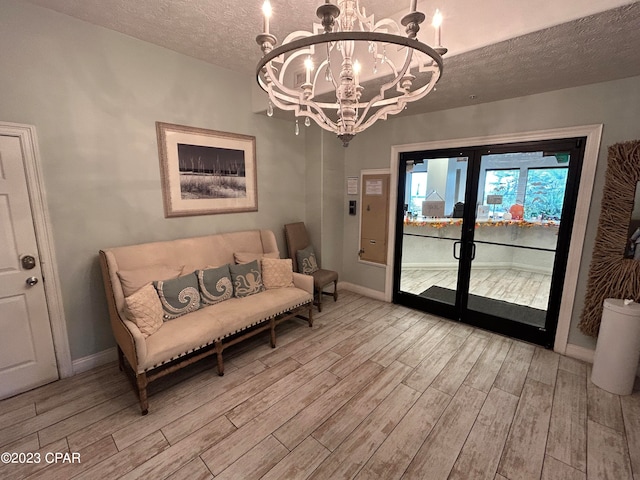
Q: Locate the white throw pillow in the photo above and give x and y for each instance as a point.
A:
(145, 310)
(277, 273)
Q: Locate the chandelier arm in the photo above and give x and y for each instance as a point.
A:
(317, 114)
(282, 92)
(387, 86)
(386, 22)
(392, 100)
(397, 107)
(294, 55)
(373, 26)
(294, 104)
(362, 17)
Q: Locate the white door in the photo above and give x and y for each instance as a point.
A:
(27, 357)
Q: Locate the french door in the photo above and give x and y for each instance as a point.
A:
(483, 233)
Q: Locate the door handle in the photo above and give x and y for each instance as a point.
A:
(456, 254)
(31, 281)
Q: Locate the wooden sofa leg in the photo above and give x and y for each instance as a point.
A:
(219, 357)
(319, 299)
(335, 290)
(272, 324)
(120, 359)
(310, 318)
(141, 380)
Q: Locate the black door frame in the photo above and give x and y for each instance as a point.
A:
(543, 336)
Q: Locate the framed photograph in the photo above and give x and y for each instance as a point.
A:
(205, 172)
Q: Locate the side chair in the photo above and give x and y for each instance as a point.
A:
(304, 261)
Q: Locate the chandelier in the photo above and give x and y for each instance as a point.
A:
(351, 70)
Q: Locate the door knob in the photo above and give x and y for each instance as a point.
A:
(31, 281)
(28, 262)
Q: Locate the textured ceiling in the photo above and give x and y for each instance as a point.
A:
(593, 49)
(600, 47)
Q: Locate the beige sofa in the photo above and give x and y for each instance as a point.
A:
(206, 331)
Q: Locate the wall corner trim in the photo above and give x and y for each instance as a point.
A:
(579, 353)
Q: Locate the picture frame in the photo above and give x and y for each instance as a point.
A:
(612, 274)
(206, 172)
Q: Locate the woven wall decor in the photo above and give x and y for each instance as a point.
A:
(610, 274)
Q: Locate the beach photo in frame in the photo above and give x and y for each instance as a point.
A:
(206, 172)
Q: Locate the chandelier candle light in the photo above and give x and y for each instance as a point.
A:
(321, 75)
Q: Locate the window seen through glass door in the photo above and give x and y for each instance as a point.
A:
(544, 195)
(537, 185)
(418, 191)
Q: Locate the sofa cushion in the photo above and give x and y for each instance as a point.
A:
(203, 326)
(307, 262)
(246, 279)
(215, 285)
(246, 257)
(277, 273)
(179, 295)
(145, 310)
(134, 280)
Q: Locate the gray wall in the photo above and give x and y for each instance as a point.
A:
(614, 104)
(94, 96)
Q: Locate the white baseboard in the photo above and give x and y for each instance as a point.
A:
(367, 292)
(580, 353)
(585, 354)
(92, 361)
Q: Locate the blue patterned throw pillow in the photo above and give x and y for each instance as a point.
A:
(307, 262)
(246, 278)
(178, 296)
(215, 284)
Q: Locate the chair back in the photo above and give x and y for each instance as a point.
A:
(297, 239)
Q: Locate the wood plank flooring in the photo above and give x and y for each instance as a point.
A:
(372, 391)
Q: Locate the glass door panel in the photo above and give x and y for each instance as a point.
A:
(510, 282)
(434, 191)
(520, 203)
(485, 233)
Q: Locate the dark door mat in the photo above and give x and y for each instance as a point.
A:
(497, 308)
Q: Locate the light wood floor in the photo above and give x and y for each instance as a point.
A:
(373, 391)
(513, 286)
